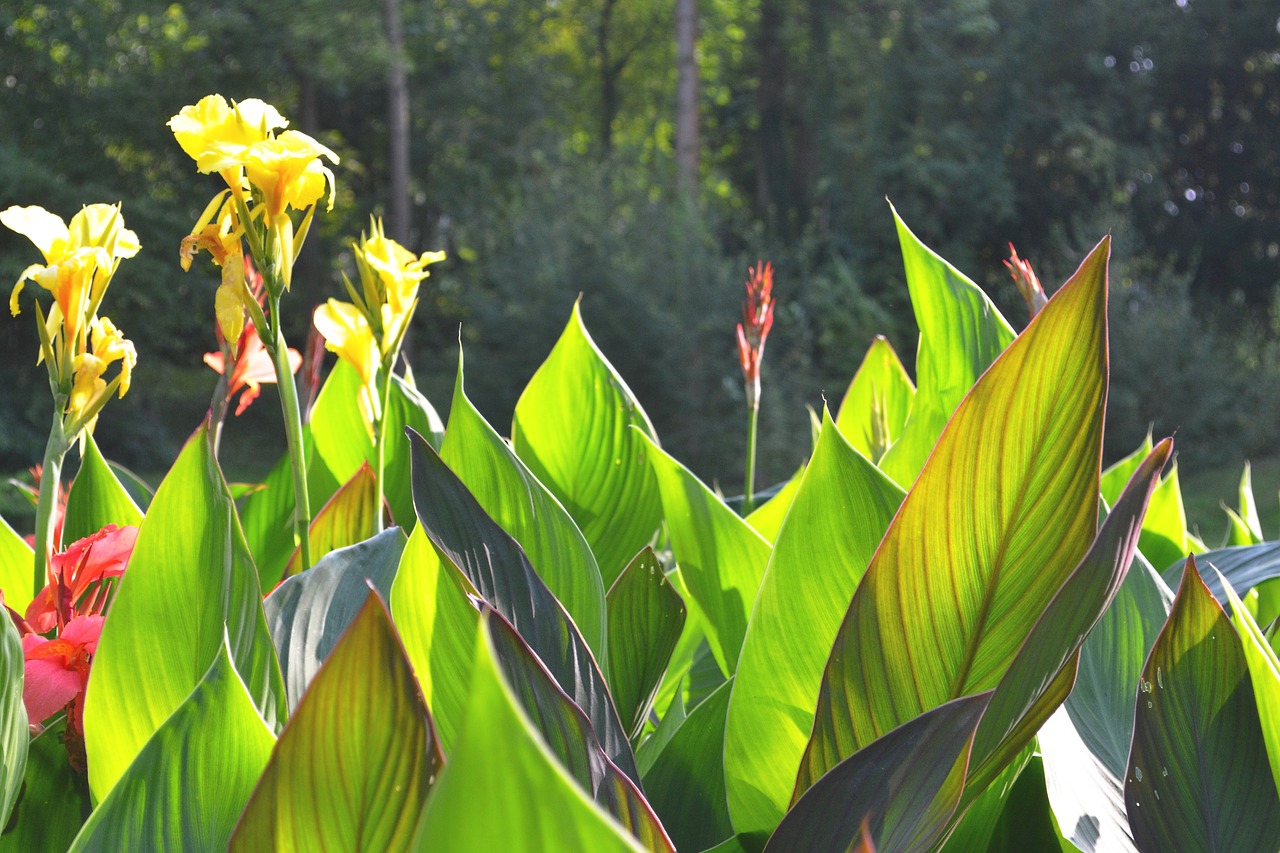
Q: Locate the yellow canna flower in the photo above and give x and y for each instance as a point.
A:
(347, 332)
(213, 132)
(397, 270)
(79, 259)
(288, 172)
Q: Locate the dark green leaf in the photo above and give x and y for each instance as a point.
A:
(498, 569)
(646, 618)
(514, 498)
(1244, 567)
(906, 784)
(352, 769)
(686, 781)
(503, 790)
(308, 612)
(568, 734)
(1198, 777)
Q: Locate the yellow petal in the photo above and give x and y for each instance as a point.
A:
(43, 228)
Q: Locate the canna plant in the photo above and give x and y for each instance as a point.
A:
(950, 631)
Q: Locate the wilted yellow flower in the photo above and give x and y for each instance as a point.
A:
(347, 332)
(221, 239)
(109, 346)
(79, 259)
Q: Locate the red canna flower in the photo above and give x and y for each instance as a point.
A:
(57, 671)
(78, 578)
(757, 320)
(251, 368)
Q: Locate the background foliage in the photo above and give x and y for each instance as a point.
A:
(542, 156)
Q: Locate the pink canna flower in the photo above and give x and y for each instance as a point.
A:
(71, 607)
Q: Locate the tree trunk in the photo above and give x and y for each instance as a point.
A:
(687, 99)
(397, 225)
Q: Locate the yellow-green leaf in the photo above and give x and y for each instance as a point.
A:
(875, 406)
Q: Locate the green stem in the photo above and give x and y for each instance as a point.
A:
(47, 504)
(380, 436)
(275, 344)
(753, 417)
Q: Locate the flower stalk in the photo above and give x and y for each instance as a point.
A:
(757, 320)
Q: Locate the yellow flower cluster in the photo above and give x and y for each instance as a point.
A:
(368, 331)
(79, 260)
(269, 172)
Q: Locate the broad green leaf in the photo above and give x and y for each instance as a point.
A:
(653, 745)
(1264, 671)
(352, 769)
(96, 498)
(140, 492)
(190, 581)
(768, 517)
(1198, 777)
(497, 568)
(55, 798)
(187, 787)
(906, 785)
(17, 562)
(646, 618)
(573, 428)
(514, 498)
(348, 517)
(961, 333)
(1242, 567)
(503, 789)
(308, 612)
(686, 781)
(437, 624)
(875, 406)
(1041, 675)
(838, 517)
(567, 733)
(342, 441)
(14, 738)
(721, 557)
(992, 528)
(1085, 744)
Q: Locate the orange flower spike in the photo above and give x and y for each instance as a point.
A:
(757, 320)
(1024, 278)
